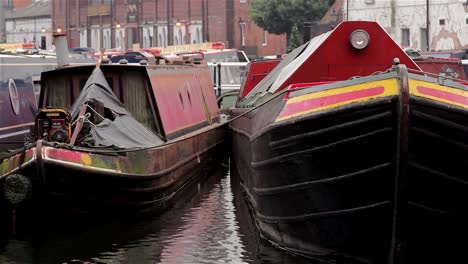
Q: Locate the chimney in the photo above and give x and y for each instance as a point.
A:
(61, 48)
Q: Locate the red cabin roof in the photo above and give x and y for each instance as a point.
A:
(331, 57)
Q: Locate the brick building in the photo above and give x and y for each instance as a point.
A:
(127, 24)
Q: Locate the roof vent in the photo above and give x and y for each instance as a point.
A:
(105, 60)
(123, 61)
(143, 62)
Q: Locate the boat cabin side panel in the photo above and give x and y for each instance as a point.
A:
(452, 67)
(257, 70)
(19, 91)
(185, 98)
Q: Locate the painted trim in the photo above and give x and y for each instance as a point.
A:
(86, 163)
(439, 93)
(445, 81)
(16, 126)
(45, 64)
(21, 132)
(333, 98)
(340, 84)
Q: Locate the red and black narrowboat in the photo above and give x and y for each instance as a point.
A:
(348, 153)
(119, 136)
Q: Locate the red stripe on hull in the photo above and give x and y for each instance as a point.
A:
(443, 95)
(63, 154)
(314, 103)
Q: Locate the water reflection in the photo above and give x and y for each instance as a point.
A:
(211, 224)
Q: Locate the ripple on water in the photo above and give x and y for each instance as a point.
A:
(211, 225)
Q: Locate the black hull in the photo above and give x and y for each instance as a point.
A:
(61, 186)
(436, 186)
(364, 183)
(280, 182)
(78, 191)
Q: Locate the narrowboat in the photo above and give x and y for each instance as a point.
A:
(348, 153)
(114, 137)
(19, 94)
(451, 66)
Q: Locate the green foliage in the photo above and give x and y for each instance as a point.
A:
(281, 16)
(294, 39)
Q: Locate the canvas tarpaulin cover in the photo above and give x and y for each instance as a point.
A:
(122, 130)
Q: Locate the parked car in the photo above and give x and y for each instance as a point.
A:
(82, 50)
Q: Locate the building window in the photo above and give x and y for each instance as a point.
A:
(242, 26)
(466, 21)
(165, 38)
(423, 33)
(441, 21)
(181, 37)
(243, 1)
(147, 39)
(104, 41)
(95, 2)
(405, 37)
(121, 41)
(265, 38)
(198, 36)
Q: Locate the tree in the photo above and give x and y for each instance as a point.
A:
(294, 39)
(281, 16)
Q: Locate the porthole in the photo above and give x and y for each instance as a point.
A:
(189, 98)
(14, 98)
(187, 84)
(181, 100)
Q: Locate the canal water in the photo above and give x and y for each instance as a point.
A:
(210, 224)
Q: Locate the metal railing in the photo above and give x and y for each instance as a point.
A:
(227, 76)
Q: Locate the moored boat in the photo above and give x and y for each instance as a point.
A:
(450, 66)
(349, 155)
(19, 93)
(120, 136)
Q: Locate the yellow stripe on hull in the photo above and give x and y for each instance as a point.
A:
(440, 93)
(305, 104)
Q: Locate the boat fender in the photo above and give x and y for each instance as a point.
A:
(17, 188)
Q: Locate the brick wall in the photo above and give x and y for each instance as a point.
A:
(255, 41)
(219, 18)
